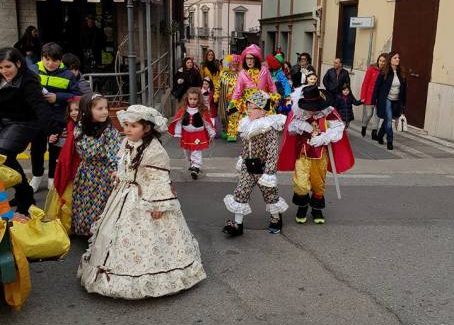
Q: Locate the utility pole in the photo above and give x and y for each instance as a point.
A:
(131, 54)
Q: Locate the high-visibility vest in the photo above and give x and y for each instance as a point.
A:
(52, 81)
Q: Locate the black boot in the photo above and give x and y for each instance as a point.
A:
(318, 216)
(363, 131)
(374, 135)
(232, 228)
(195, 172)
(301, 214)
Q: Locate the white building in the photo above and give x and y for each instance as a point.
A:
(220, 25)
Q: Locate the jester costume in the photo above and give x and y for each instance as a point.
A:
(310, 130)
(248, 80)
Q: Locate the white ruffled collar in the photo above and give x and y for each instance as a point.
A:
(250, 128)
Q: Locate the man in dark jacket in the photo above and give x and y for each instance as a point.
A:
(59, 84)
(335, 78)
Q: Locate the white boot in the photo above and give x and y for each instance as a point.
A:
(50, 184)
(35, 182)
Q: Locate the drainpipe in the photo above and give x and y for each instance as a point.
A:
(131, 54)
(150, 98)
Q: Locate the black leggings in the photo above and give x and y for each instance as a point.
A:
(38, 149)
(24, 192)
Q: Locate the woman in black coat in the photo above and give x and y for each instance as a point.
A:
(301, 69)
(186, 77)
(389, 97)
(23, 111)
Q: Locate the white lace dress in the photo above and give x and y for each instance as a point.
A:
(131, 255)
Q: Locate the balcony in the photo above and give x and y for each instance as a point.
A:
(203, 32)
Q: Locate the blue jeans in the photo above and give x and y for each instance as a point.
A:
(387, 125)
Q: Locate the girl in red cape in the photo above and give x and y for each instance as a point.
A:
(192, 124)
(311, 128)
(59, 198)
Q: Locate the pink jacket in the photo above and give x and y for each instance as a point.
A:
(367, 88)
(244, 81)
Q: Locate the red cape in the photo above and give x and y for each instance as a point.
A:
(68, 162)
(291, 148)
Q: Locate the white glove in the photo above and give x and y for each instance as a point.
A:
(180, 81)
(298, 126)
(239, 164)
(319, 140)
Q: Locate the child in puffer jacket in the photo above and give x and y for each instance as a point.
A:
(344, 104)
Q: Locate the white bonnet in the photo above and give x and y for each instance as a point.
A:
(136, 113)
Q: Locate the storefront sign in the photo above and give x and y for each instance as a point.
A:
(361, 22)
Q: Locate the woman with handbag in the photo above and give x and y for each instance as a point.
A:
(23, 111)
(389, 97)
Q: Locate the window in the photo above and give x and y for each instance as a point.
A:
(346, 36)
(240, 13)
(205, 19)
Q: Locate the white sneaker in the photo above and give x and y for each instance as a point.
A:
(50, 184)
(35, 182)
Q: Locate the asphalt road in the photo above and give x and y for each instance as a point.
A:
(384, 257)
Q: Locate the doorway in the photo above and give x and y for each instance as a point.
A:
(415, 27)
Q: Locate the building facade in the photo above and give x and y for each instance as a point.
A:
(291, 25)
(225, 26)
(420, 31)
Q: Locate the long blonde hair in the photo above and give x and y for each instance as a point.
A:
(195, 90)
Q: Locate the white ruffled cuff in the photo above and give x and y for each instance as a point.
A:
(160, 206)
(279, 207)
(268, 180)
(239, 164)
(236, 207)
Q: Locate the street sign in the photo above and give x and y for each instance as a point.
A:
(362, 22)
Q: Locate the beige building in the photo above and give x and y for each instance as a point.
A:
(220, 25)
(422, 37)
(292, 25)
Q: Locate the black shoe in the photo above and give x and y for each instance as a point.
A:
(275, 225)
(232, 228)
(301, 214)
(363, 131)
(319, 219)
(380, 141)
(389, 146)
(13, 203)
(374, 135)
(195, 172)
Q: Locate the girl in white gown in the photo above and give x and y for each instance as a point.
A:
(141, 245)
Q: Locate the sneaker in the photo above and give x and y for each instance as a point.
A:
(232, 228)
(275, 225)
(319, 219)
(301, 215)
(35, 182)
(195, 172)
(363, 131)
(50, 184)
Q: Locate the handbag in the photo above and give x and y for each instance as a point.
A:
(401, 123)
(254, 165)
(8, 176)
(40, 237)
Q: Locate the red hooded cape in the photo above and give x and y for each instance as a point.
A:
(68, 162)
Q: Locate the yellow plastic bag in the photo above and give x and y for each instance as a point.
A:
(41, 238)
(60, 207)
(8, 176)
(16, 293)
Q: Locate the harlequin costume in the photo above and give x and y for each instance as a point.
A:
(223, 92)
(257, 166)
(248, 80)
(305, 151)
(195, 131)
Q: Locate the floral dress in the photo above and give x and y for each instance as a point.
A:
(93, 182)
(131, 255)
